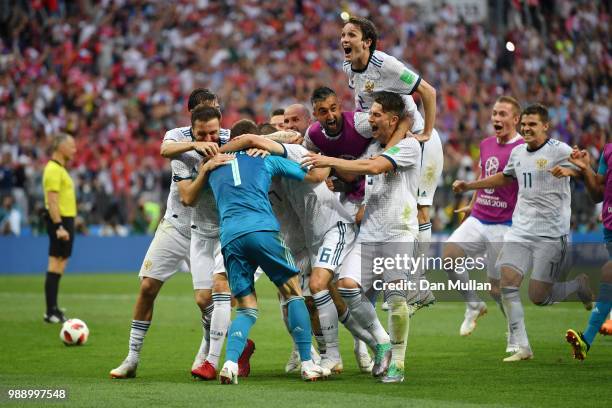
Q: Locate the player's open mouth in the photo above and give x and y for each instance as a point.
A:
(374, 128)
(497, 127)
(347, 51)
(331, 123)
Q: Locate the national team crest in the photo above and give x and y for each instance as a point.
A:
(541, 164)
(369, 86)
(148, 264)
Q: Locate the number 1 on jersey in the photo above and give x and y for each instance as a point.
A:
(236, 172)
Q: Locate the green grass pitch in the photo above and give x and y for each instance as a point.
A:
(443, 369)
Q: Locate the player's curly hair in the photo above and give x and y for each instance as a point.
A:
(368, 30)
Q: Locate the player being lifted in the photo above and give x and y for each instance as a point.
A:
(169, 248)
(489, 215)
(537, 239)
(389, 228)
(369, 71)
(599, 186)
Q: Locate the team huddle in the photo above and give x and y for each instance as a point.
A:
(311, 205)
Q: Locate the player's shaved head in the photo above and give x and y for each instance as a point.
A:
(297, 117)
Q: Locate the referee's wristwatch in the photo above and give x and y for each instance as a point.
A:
(59, 225)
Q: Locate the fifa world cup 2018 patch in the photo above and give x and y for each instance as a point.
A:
(541, 164)
(407, 77)
(392, 150)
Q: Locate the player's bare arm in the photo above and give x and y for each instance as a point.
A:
(496, 180)
(428, 94)
(250, 141)
(373, 166)
(171, 149)
(595, 183)
(189, 190)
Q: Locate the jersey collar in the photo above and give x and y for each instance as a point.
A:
(359, 71)
(539, 147)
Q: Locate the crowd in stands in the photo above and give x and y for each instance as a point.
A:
(116, 75)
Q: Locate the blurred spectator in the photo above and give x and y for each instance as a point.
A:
(10, 217)
(116, 74)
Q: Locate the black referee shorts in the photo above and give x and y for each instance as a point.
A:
(59, 248)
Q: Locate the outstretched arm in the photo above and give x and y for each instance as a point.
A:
(496, 180)
(372, 166)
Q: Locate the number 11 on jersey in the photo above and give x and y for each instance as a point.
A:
(527, 180)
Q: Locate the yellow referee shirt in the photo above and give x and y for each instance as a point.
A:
(56, 178)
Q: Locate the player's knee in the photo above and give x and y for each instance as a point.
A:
(317, 283)
(452, 250)
(538, 298)
(220, 285)
(347, 283)
(149, 288)
(203, 298)
(495, 291)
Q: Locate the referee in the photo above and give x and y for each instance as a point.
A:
(60, 202)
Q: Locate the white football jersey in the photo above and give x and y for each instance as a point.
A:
(543, 206)
(385, 73)
(391, 198)
(176, 213)
(291, 230)
(318, 208)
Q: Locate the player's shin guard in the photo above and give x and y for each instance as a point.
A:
(356, 330)
(515, 314)
(599, 312)
(364, 313)
(218, 326)
(399, 324)
(137, 335)
(299, 325)
(239, 332)
(328, 318)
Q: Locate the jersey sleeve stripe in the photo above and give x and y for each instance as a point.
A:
(391, 160)
(375, 59)
(416, 85)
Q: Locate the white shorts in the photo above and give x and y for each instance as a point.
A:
(168, 250)
(206, 260)
(478, 239)
(432, 162)
(337, 243)
(360, 265)
(544, 257)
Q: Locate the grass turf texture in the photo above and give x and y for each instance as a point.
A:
(442, 369)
